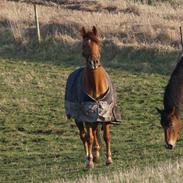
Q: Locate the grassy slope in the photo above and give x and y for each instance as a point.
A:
(37, 143)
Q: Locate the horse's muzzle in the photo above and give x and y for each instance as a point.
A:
(93, 64)
(169, 146)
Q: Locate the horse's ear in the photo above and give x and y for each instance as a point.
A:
(94, 30)
(159, 110)
(83, 31)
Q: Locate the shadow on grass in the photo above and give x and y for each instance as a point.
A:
(127, 58)
(140, 60)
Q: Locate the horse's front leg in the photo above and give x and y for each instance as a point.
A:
(96, 146)
(83, 136)
(90, 139)
(106, 128)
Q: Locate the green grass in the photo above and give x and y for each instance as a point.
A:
(38, 144)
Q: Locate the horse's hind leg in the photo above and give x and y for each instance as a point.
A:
(96, 147)
(83, 136)
(106, 129)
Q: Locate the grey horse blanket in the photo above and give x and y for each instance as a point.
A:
(84, 108)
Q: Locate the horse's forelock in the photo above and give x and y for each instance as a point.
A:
(93, 37)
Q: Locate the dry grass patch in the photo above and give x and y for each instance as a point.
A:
(123, 20)
(166, 173)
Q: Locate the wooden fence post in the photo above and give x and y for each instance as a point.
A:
(37, 24)
(181, 37)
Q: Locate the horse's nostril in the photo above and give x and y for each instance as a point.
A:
(169, 146)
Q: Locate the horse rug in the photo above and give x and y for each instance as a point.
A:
(83, 108)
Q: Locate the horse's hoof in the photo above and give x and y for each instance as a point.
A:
(90, 165)
(109, 161)
(96, 157)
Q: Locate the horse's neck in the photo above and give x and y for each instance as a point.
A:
(95, 82)
(174, 90)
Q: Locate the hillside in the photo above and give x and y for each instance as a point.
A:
(130, 24)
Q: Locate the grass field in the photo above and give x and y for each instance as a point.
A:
(37, 143)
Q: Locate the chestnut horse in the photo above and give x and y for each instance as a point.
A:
(85, 99)
(173, 100)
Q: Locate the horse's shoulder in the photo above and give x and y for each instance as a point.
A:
(76, 72)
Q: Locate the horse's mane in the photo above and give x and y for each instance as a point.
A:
(93, 37)
(174, 90)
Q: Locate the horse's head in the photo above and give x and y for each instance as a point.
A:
(171, 125)
(91, 47)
